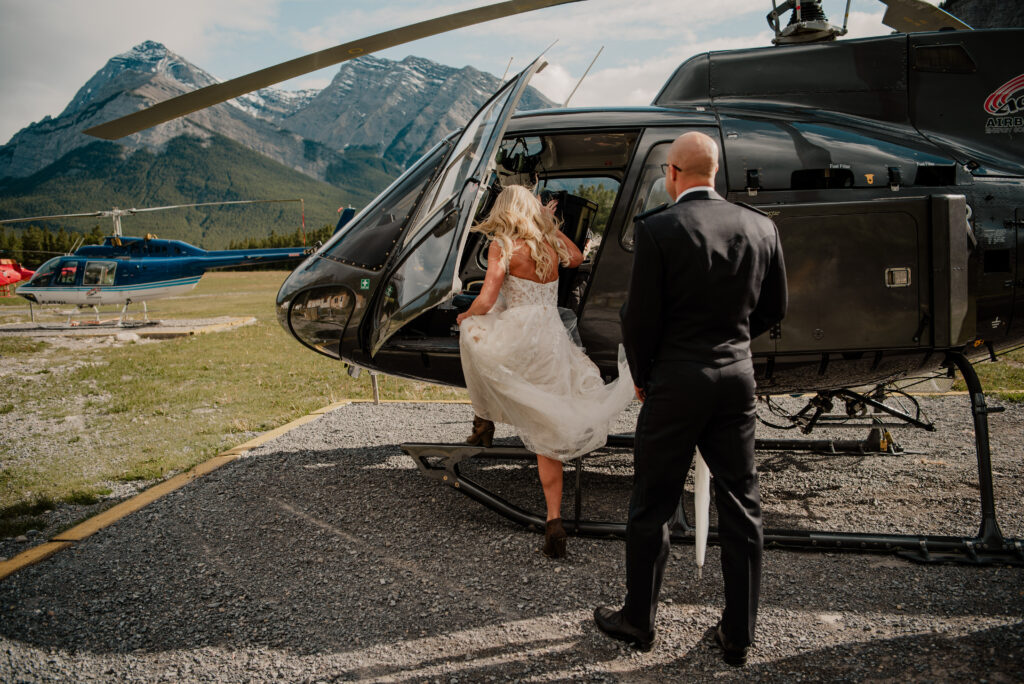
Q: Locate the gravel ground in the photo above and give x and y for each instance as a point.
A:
(325, 556)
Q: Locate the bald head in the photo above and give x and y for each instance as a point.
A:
(694, 161)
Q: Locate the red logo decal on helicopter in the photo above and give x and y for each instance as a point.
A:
(1006, 107)
(1002, 101)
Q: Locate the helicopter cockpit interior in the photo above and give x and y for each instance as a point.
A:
(583, 173)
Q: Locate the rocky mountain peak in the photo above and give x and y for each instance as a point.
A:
(393, 111)
(145, 61)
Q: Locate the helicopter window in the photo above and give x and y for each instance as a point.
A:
(651, 191)
(949, 59)
(67, 273)
(369, 243)
(465, 155)
(44, 274)
(421, 269)
(99, 273)
(600, 191)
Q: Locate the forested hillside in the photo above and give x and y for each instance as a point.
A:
(103, 175)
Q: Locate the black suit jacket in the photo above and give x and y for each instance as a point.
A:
(708, 276)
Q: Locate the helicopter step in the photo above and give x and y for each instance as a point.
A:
(443, 462)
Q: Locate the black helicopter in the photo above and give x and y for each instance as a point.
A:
(893, 166)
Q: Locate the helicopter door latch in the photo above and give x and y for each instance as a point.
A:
(753, 182)
(895, 178)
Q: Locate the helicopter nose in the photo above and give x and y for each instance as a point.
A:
(322, 302)
(317, 317)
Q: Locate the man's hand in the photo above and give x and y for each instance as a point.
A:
(640, 394)
(461, 317)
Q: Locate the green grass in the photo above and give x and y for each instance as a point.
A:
(12, 528)
(10, 346)
(24, 508)
(141, 412)
(1004, 379)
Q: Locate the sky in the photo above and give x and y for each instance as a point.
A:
(50, 48)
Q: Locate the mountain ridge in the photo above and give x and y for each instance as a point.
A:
(277, 123)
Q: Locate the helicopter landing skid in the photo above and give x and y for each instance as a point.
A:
(442, 462)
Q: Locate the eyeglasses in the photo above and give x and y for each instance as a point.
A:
(664, 168)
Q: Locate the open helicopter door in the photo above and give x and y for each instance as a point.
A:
(425, 272)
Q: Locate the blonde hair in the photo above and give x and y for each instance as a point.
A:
(518, 215)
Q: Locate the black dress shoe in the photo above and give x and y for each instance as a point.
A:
(732, 655)
(614, 624)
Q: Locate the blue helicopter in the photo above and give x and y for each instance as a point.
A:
(124, 270)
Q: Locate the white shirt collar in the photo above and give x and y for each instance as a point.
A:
(696, 188)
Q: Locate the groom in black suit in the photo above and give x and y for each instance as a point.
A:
(708, 276)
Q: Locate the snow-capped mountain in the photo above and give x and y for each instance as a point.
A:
(398, 109)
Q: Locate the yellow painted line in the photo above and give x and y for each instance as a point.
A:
(33, 555)
(129, 506)
(112, 515)
(332, 407)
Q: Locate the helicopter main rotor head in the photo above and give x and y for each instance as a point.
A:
(807, 24)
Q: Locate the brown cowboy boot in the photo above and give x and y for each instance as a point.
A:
(554, 539)
(483, 432)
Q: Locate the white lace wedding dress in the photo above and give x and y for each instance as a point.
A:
(522, 369)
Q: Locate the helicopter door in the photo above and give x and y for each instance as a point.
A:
(426, 273)
(858, 275)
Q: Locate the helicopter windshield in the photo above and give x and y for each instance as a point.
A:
(373, 235)
(44, 274)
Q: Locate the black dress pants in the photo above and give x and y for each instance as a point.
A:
(690, 404)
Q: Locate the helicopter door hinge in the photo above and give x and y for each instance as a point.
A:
(775, 333)
(753, 182)
(895, 178)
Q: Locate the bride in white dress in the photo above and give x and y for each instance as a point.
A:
(521, 366)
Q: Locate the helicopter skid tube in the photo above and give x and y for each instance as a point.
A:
(441, 462)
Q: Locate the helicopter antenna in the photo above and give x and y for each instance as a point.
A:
(566, 103)
(507, 67)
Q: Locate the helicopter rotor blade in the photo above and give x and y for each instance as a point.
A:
(913, 16)
(55, 216)
(221, 92)
(210, 204)
(129, 212)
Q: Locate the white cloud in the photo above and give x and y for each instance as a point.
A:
(637, 83)
(555, 82)
(49, 49)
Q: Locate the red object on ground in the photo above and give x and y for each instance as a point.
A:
(11, 272)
